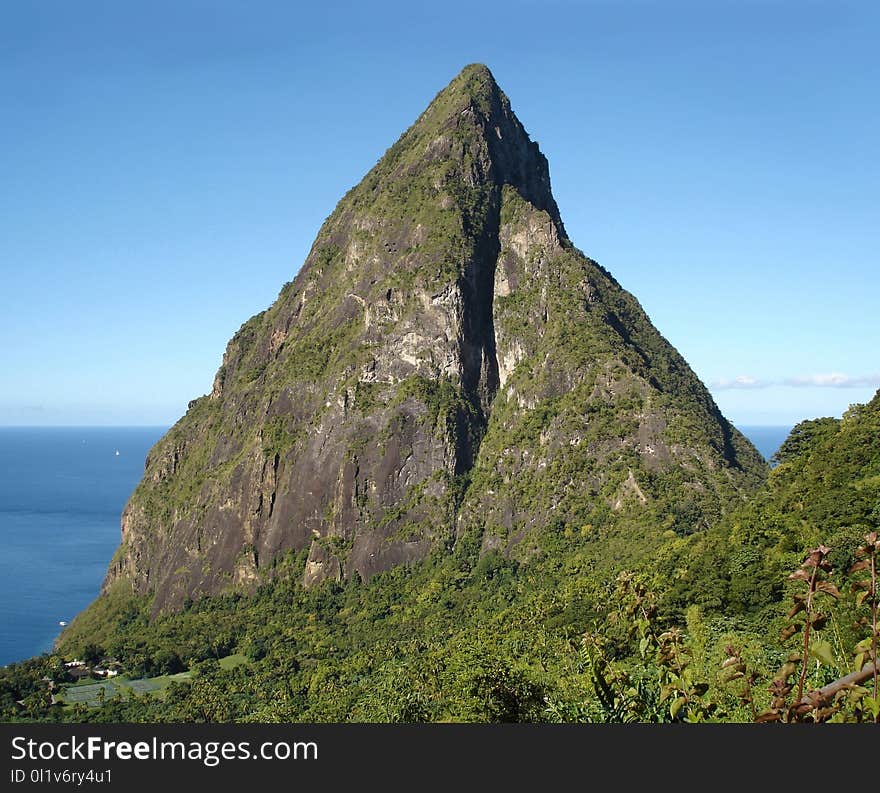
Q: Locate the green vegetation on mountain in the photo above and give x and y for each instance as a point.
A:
(455, 473)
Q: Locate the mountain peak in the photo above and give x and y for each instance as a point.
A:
(478, 70)
(475, 81)
(470, 121)
(445, 364)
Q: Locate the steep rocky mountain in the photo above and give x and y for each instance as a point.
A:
(445, 364)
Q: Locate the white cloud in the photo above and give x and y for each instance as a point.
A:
(740, 381)
(833, 380)
(830, 380)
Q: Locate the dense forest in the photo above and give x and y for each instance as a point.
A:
(756, 618)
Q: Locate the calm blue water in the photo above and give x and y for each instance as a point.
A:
(62, 491)
(767, 440)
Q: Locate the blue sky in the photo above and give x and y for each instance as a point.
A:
(166, 165)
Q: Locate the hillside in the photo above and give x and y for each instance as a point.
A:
(824, 489)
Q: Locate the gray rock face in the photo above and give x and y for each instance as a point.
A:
(444, 361)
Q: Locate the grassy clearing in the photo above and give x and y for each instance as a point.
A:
(89, 692)
(231, 661)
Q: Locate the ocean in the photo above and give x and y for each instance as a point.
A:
(62, 492)
(61, 497)
(767, 440)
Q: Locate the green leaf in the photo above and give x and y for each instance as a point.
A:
(676, 706)
(821, 651)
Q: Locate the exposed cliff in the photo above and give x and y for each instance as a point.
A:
(445, 362)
